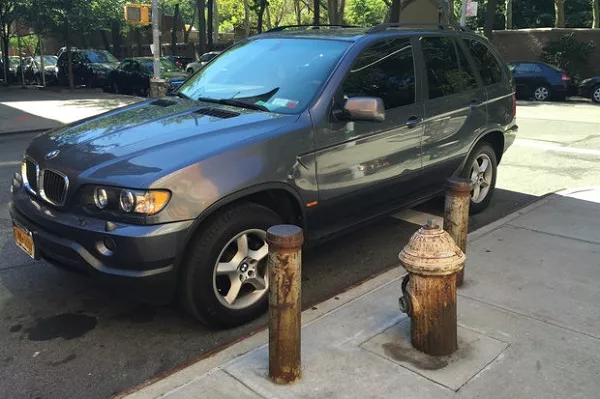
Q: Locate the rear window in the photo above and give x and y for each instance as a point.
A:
(97, 57)
(485, 62)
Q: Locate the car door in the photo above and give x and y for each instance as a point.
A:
(528, 76)
(455, 108)
(366, 168)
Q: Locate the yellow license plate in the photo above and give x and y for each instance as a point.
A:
(24, 240)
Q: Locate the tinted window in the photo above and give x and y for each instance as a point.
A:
(384, 70)
(165, 66)
(486, 63)
(95, 57)
(527, 68)
(443, 73)
(466, 71)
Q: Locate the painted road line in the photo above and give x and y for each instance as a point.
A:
(417, 217)
(551, 147)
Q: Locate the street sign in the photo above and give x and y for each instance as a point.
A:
(472, 9)
(138, 14)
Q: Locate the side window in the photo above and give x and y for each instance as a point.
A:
(527, 68)
(467, 75)
(385, 70)
(486, 63)
(124, 66)
(443, 73)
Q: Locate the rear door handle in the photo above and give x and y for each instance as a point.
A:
(412, 122)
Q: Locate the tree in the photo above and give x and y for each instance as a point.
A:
(259, 7)
(559, 13)
(335, 11)
(317, 12)
(596, 14)
(174, 30)
(509, 14)
(490, 17)
(201, 5)
(8, 13)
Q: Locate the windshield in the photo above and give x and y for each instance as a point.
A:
(283, 75)
(48, 60)
(98, 57)
(165, 66)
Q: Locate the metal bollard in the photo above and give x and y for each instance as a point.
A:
(432, 260)
(285, 262)
(456, 215)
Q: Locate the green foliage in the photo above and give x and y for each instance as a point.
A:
(366, 12)
(569, 54)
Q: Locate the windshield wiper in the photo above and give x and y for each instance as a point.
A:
(235, 103)
(181, 95)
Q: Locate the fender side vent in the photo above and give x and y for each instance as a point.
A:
(162, 103)
(219, 113)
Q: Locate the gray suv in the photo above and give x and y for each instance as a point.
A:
(323, 127)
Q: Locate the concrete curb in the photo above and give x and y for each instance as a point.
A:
(163, 385)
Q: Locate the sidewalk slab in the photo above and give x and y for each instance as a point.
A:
(528, 327)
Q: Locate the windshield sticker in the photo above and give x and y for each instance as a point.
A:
(284, 103)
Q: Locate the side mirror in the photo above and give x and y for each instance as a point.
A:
(370, 109)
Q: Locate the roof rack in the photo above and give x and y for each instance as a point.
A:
(308, 27)
(384, 27)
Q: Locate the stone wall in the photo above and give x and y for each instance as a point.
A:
(527, 44)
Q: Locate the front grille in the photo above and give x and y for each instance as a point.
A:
(31, 173)
(54, 187)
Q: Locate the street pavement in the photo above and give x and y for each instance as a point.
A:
(63, 336)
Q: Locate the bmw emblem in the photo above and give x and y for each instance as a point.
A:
(52, 154)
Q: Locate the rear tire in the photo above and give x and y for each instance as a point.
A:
(481, 168)
(206, 294)
(542, 93)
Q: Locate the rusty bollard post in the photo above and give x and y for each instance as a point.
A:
(285, 262)
(456, 215)
(432, 261)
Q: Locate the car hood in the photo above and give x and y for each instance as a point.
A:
(137, 144)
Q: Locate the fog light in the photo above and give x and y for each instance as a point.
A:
(100, 198)
(110, 244)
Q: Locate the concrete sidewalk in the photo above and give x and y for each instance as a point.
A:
(529, 325)
(30, 109)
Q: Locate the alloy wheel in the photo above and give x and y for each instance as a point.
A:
(481, 176)
(541, 93)
(240, 277)
(596, 95)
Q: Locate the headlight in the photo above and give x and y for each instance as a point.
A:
(100, 197)
(586, 81)
(143, 202)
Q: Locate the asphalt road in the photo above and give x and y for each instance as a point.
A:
(62, 336)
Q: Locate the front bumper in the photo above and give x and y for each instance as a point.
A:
(142, 262)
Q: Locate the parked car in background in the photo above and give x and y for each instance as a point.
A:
(22, 67)
(90, 67)
(541, 81)
(194, 67)
(179, 61)
(590, 88)
(63, 49)
(172, 198)
(33, 72)
(133, 75)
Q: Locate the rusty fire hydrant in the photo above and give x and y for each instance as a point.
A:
(433, 261)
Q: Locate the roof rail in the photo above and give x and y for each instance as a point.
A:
(308, 27)
(384, 27)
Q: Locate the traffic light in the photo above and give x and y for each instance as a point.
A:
(138, 14)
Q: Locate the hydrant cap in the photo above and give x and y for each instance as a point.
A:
(431, 251)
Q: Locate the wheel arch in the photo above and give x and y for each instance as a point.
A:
(279, 197)
(494, 137)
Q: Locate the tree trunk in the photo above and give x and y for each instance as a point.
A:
(201, 4)
(332, 11)
(261, 13)
(174, 30)
(246, 18)
(509, 14)
(186, 32)
(317, 12)
(70, 65)
(298, 12)
(444, 12)
(5, 42)
(596, 14)
(559, 13)
(490, 16)
(216, 21)
(116, 38)
(269, 25)
(138, 39)
(105, 40)
(395, 11)
(209, 24)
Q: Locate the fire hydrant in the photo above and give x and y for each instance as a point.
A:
(432, 260)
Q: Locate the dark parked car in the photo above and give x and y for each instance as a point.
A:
(33, 70)
(179, 61)
(133, 75)
(590, 88)
(325, 129)
(90, 67)
(13, 67)
(542, 82)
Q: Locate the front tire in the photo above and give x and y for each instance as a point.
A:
(225, 279)
(481, 168)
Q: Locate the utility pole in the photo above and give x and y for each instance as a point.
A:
(156, 38)
(20, 55)
(43, 72)
(463, 13)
